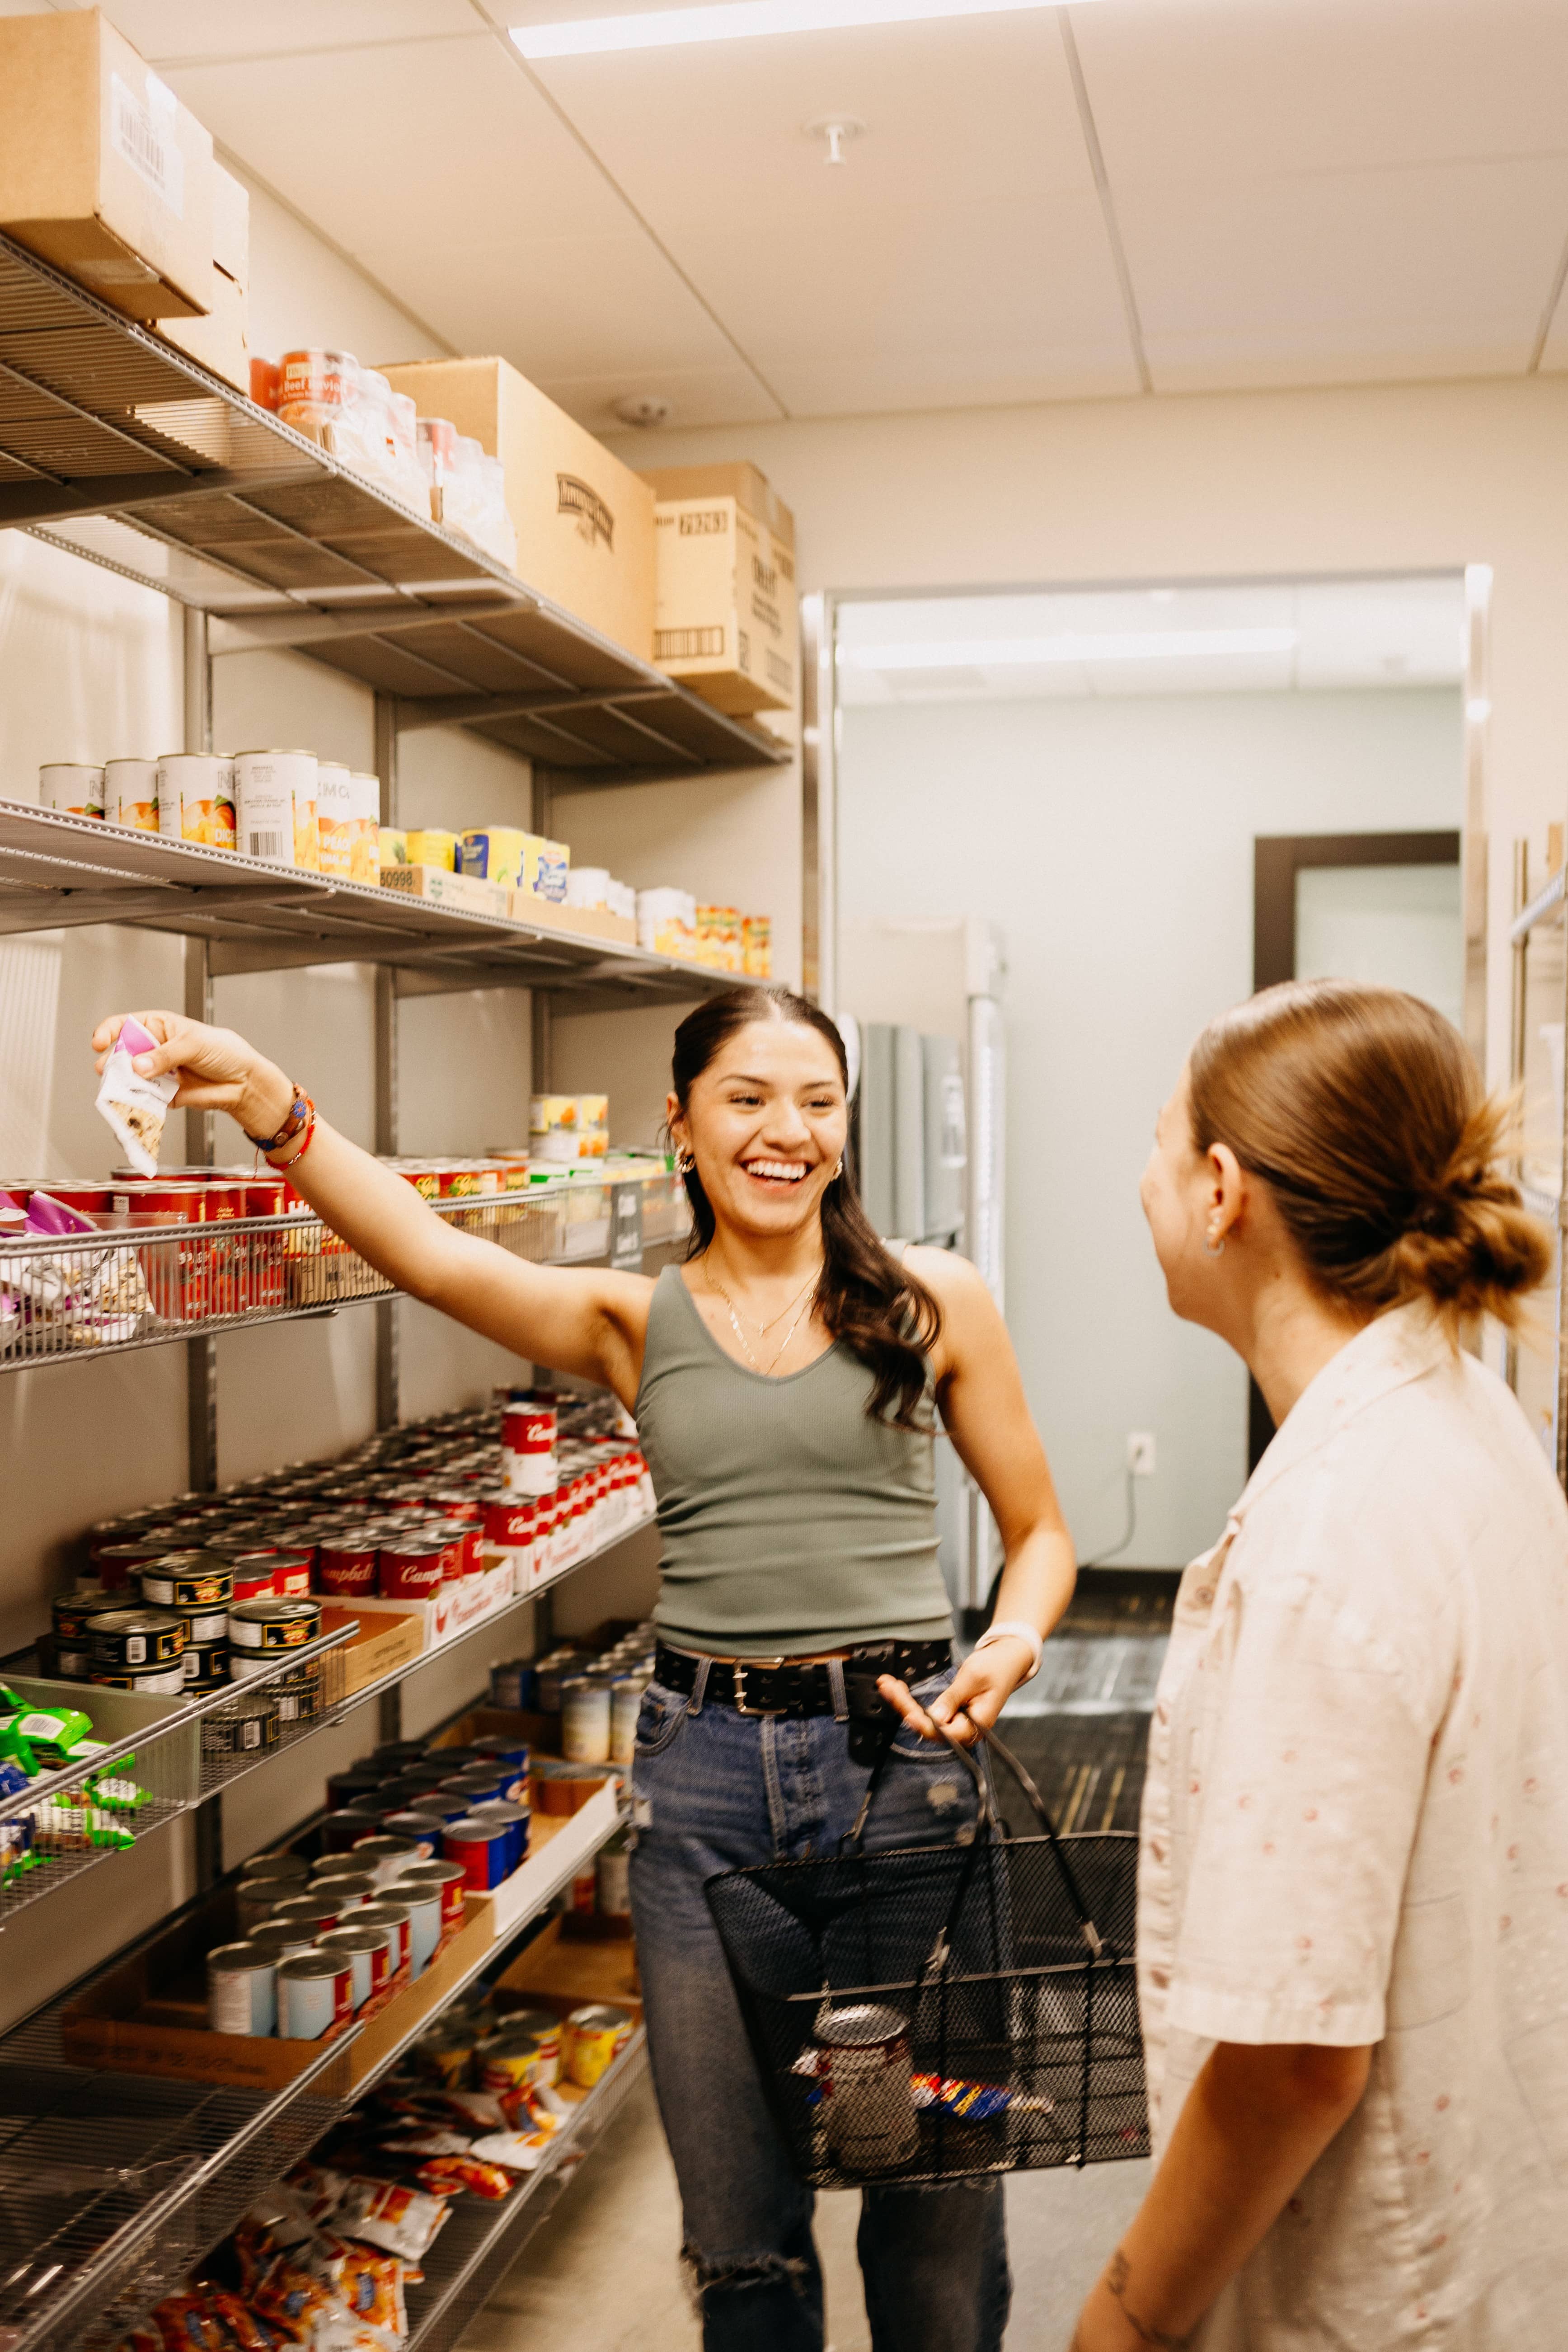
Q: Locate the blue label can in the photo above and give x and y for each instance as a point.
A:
(480, 1849)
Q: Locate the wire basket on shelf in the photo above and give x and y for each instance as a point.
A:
(936, 2013)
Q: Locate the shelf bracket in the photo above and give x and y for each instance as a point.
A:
(387, 1401)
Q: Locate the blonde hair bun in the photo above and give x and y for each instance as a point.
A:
(1363, 1111)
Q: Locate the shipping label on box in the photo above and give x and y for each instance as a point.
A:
(725, 621)
(462, 892)
(102, 170)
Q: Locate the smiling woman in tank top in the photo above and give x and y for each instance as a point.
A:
(787, 1382)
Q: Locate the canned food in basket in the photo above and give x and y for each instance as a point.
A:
(592, 2039)
(247, 1727)
(123, 1640)
(187, 1581)
(69, 1612)
(156, 1682)
(205, 1626)
(205, 1665)
(300, 1701)
(273, 1625)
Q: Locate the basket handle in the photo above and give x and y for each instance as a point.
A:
(1087, 1928)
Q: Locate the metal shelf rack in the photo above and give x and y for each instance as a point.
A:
(73, 1299)
(480, 2242)
(1539, 938)
(116, 446)
(191, 2158)
(57, 870)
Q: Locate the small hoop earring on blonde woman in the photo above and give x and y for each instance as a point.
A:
(1213, 1248)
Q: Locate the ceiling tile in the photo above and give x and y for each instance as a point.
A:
(695, 396)
(1345, 277)
(165, 30)
(1213, 88)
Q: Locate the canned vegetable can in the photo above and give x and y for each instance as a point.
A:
(315, 1992)
(242, 1991)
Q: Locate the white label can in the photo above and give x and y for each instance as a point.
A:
(315, 1991)
(242, 1991)
(364, 804)
(195, 797)
(334, 818)
(586, 1721)
(265, 787)
(71, 787)
(130, 795)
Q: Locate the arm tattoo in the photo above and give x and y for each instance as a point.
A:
(1118, 2272)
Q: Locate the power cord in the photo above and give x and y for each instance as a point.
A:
(1101, 1558)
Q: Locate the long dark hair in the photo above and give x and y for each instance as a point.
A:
(880, 1312)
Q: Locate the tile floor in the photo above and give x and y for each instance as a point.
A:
(601, 2275)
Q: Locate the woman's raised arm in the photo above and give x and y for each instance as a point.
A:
(591, 1322)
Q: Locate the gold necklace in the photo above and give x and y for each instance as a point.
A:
(763, 1328)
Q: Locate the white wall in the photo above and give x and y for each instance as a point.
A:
(1275, 485)
(1112, 843)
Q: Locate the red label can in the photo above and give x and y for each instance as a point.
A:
(511, 1524)
(347, 1567)
(412, 1571)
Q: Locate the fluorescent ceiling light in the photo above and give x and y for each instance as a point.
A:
(739, 20)
(1075, 645)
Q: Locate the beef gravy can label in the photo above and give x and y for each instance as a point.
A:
(168, 1584)
(123, 1639)
(273, 1626)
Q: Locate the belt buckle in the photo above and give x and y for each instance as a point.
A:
(738, 1672)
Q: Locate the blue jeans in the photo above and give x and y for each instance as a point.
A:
(713, 1790)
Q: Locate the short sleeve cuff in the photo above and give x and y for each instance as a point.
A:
(1215, 2016)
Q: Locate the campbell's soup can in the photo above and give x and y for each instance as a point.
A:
(527, 1448)
(510, 1522)
(275, 807)
(72, 787)
(130, 795)
(195, 797)
(348, 1565)
(414, 1570)
(334, 818)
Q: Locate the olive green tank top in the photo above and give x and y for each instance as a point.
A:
(790, 1521)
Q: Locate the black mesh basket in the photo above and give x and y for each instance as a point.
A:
(938, 2012)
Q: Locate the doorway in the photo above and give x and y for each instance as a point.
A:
(1384, 909)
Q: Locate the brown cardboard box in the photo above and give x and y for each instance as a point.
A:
(149, 2015)
(587, 922)
(745, 483)
(378, 1648)
(102, 170)
(583, 520)
(219, 342)
(231, 226)
(464, 892)
(727, 624)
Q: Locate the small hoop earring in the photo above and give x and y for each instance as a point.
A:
(686, 1164)
(836, 1174)
(1212, 1249)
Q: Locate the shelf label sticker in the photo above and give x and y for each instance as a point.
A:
(143, 131)
(626, 1228)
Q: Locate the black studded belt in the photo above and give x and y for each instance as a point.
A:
(798, 1687)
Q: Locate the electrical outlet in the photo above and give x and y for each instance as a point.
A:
(1141, 1453)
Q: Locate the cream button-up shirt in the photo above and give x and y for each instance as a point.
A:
(1355, 1831)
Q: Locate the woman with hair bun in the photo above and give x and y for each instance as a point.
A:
(1354, 1877)
(785, 1381)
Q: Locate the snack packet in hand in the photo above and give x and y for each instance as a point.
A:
(135, 1106)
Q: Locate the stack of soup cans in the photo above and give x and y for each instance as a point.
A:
(417, 1508)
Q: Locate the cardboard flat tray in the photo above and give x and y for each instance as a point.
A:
(453, 1611)
(133, 2019)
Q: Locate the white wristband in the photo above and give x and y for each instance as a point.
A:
(1017, 1627)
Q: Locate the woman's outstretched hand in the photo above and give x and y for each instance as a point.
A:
(217, 1069)
(972, 1700)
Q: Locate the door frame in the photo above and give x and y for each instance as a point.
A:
(1276, 859)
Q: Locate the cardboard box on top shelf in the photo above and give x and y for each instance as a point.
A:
(231, 226)
(726, 622)
(445, 888)
(221, 341)
(588, 922)
(583, 520)
(745, 483)
(103, 172)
